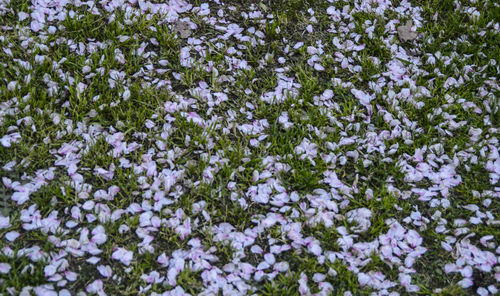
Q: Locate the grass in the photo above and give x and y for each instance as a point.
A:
(206, 122)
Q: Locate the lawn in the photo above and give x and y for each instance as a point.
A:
(246, 147)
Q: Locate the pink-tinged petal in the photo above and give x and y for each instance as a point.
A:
(447, 247)
(49, 270)
(4, 222)
(70, 276)
(298, 45)
(4, 268)
(318, 67)
(20, 197)
(123, 255)
(466, 283)
(35, 26)
(12, 235)
(315, 248)
(96, 287)
(21, 16)
(105, 271)
(93, 260)
(363, 98)
(163, 260)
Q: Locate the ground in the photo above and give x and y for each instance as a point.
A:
(245, 147)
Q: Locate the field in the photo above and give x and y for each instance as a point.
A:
(245, 147)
